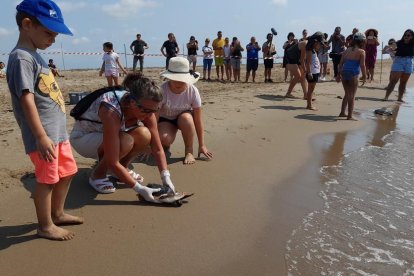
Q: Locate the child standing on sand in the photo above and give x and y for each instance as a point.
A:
(39, 109)
(110, 65)
(312, 65)
(351, 61)
(2, 70)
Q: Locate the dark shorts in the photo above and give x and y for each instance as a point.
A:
(268, 63)
(174, 121)
(252, 64)
(315, 78)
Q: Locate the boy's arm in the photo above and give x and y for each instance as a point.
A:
(102, 69)
(44, 144)
(120, 66)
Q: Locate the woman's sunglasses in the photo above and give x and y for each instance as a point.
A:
(146, 110)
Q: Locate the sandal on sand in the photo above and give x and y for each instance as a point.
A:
(102, 185)
(134, 175)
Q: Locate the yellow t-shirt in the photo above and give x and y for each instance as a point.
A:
(217, 43)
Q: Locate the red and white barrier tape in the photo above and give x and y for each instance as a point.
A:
(128, 54)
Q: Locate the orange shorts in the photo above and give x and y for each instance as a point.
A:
(51, 172)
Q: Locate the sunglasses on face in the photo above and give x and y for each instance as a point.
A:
(146, 110)
(407, 35)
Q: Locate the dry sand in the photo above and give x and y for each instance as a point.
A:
(262, 181)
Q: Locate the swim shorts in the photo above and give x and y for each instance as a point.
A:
(62, 166)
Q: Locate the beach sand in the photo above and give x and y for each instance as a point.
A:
(264, 178)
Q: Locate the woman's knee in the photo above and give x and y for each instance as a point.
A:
(141, 135)
(126, 143)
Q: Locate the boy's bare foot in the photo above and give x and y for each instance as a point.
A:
(400, 101)
(55, 233)
(189, 159)
(67, 219)
(351, 119)
(342, 115)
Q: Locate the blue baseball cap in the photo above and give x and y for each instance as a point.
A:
(48, 14)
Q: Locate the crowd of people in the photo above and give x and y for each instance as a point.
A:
(138, 117)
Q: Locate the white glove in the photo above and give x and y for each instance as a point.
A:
(145, 192)
(166, 180)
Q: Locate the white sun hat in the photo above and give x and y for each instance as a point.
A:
(179, 70)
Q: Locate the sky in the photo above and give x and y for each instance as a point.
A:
(94, 22)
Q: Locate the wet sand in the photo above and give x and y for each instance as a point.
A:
(264, 178)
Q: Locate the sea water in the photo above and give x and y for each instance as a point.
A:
(366, 226)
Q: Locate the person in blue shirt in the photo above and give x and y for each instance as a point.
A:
(252, 49)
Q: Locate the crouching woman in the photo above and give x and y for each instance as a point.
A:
(109, 132)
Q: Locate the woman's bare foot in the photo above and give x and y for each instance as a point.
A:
(311, 108)
(189, 159)
(342, 115)
(67, 219)
(55, 233)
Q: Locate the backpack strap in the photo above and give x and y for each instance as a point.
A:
(113, 89)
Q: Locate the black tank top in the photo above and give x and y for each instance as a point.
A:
(192, 51)
(293, 52)
(404, 50)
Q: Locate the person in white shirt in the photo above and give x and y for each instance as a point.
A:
(181, 109)
(207, 59)
(2, 70)
(110, 65)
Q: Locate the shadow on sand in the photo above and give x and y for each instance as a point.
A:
(16, 234)
(315, 117)
(80, 194)
(282, 107)
(270, 97)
